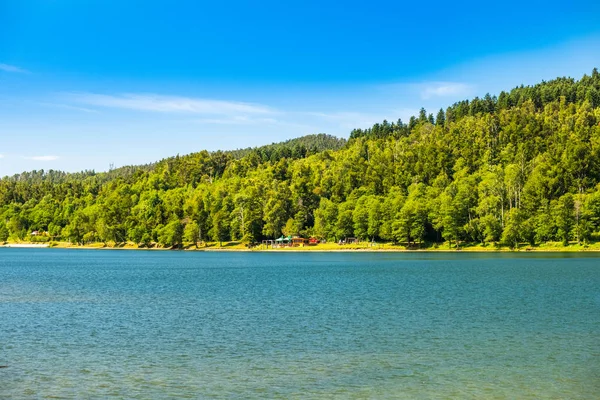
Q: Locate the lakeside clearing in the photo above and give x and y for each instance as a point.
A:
(323, 247)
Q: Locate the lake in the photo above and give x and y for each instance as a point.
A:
(159, 324)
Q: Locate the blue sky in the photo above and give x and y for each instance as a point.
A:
(87, 84)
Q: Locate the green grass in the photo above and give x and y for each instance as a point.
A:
(332, 246)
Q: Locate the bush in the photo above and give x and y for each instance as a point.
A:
(39, 239)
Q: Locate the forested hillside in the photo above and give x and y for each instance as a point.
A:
(294, 148)
(522, 167)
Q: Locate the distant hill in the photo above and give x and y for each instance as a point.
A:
(293, 148)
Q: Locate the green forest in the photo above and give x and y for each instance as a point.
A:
(522, 167)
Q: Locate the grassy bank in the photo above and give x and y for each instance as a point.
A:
(362, 246)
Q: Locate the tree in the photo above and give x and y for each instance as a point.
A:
(512, 229)
(360, 217)
(544, 224)
(449, 217)
(76, 229)
(440, 120)
(219, 230)
(300, 221)
(276, 210)
(391, 206)
(422, 115)
(290, 228)
(171, 234)
(3, 232)
(592, 209)
(563, 211)
(326, 219)
(403, 224)
(247, 223)
(345, 221)
(191, 233)
(375, 218)
(490, 227)
(105, 232)
(136, 234)
(410, 221)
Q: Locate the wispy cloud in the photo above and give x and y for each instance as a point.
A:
(236, 120)
(11, 68)
(435, 91)
(1, 155)
(43, 158)
(352, 119)
(444, 89)
(170, 104)
(69, 107)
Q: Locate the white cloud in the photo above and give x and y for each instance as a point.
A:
(427, 89)
(1, 155)
(171, 104)
(11, 68)
(43, 158)
(444, 89)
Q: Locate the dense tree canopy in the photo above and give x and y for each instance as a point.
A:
(520, 167)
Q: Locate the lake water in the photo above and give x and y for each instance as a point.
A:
(143, 324)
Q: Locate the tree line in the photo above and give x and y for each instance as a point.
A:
(522, 167)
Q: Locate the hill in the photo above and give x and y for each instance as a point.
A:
(293, 148)
(520, 167)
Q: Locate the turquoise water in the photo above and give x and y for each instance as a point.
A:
(136, 324)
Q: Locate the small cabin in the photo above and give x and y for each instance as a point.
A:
(299, 242)
(35, 233)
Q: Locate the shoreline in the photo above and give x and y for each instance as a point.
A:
(26, 245)
(327, 248)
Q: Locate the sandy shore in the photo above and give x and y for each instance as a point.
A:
(26, 245)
